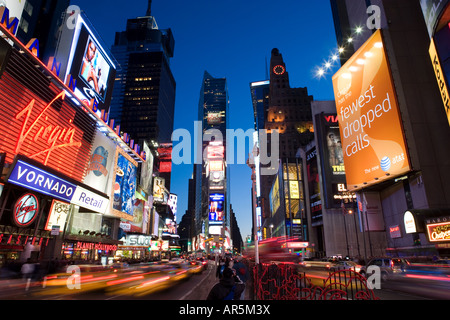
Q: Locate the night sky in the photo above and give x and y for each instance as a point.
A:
(230, 39)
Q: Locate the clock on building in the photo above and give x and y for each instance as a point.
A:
(279, 69)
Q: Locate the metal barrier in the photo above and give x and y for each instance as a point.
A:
(285, 282)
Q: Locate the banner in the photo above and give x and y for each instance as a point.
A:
(370, 126)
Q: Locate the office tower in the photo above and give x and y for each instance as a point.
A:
(212, 175)
(288, 112)
(143, 99)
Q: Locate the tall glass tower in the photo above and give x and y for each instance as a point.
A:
(212, 218)
(143, 99)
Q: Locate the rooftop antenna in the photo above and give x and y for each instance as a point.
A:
(149, 8)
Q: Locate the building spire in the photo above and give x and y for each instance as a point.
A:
(149, 9)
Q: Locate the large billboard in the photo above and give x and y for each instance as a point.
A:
(101, 163)
(371, 130)
(85, 65)
(124, 187)
(216, 207)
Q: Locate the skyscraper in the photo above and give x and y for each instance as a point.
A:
(143, 99)
(288, 112)
(212, 216)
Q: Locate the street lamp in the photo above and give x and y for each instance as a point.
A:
(271, 227)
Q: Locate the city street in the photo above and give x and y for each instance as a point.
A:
(197, 287)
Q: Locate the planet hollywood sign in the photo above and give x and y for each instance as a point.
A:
(95, 246)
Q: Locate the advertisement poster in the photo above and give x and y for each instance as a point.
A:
(371, 130)
(147, 170)
(124, 187)
(216, 207)
(101, 163)
(57, 215)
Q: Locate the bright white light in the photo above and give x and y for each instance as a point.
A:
(360, 61)
(359, 30)
(378, 45)
(368, 54)
(353, 69)
(341, 50)
(320, 72)
(334, 57)
(346, 75)
(327, 65)
(350, 40)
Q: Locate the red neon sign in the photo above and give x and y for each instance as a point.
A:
(48, 133)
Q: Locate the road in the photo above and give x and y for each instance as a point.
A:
(197, 286)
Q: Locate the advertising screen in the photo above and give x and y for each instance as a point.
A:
(371, 131)
(90, 65)
(216, 207)
(124, 187)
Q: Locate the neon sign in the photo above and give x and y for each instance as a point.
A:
(9, 26)
(439, 232)
(48, 133)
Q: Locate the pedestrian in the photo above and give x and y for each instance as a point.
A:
(241, 272)
(27, 269)
(227, 288)
(220, 268)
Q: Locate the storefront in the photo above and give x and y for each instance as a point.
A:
(434, 225)
(56, 175)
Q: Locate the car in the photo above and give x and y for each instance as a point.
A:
(345, 265)
(389, 267)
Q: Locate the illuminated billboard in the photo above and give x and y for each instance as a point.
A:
(101, 163)
(216, 152)
(85, 65)
(124, 187)
(216, 207)
(371, 130)
(165, 157)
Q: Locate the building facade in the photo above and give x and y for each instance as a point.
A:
(400, 187)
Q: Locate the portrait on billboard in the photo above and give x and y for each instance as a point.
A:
(94, 69)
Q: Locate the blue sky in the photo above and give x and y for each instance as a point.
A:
(230, 39)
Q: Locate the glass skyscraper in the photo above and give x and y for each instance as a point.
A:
(143, 99)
